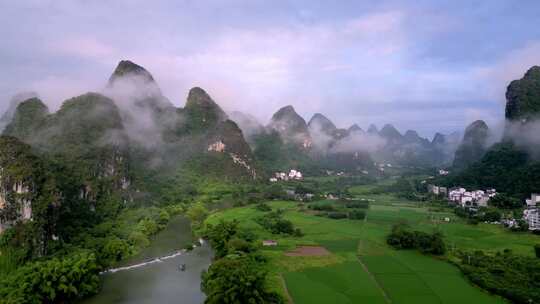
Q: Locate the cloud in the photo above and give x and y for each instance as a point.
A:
(424, 66)
(86, 47)
(54, 90)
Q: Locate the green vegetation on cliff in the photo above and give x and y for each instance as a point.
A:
(523, 96)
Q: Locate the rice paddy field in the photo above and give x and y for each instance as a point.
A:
(361, 268)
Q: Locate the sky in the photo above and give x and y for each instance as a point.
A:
(432, 66)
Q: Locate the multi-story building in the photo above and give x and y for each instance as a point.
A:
(532, 216)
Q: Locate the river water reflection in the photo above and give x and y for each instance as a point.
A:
(160, 282)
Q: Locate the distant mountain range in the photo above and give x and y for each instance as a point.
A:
(321, 139)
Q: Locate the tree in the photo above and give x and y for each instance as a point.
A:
(357, 215)
(114, 250)
(403, 238)
(219, 236)
(492, 215)
(197, 213)
(504, 201)
(237, 279)
(52, 281)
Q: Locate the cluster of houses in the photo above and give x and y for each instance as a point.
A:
(480, 198)
(464, 198)
(475, 198)
(292, 175)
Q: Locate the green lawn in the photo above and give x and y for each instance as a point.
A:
(404, 276)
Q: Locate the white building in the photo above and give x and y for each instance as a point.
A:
(437, 190)
(532, 216)
(443, 172)
(535, 199)
(475, 198)
(292, 175)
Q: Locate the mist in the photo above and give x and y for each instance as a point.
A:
(13, 103)
(140, 101)
(359, 142)
(525, 135)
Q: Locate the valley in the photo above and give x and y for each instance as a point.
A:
(360, 266)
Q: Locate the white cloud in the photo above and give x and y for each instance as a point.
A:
(86, 47)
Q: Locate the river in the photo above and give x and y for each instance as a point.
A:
(159, 281)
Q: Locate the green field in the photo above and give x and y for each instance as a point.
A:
(361, 267)
(341, 283)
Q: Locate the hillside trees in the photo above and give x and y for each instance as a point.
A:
(52, 281)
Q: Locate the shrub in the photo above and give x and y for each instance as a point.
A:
(521, 226)
(402, 237)
(148, 226)
(336, 215)
(322, 207)
(357, 204)
(274, 223)
(164, 217)
(357, 215)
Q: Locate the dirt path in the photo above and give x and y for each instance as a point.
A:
(308, 251)
(386, 297)
(289, 298)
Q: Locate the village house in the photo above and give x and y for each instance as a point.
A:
(443, 172)
(331, 196)
(533, 201)
(290, 193)
(437, 190)
(269, 243)
(292, 175)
